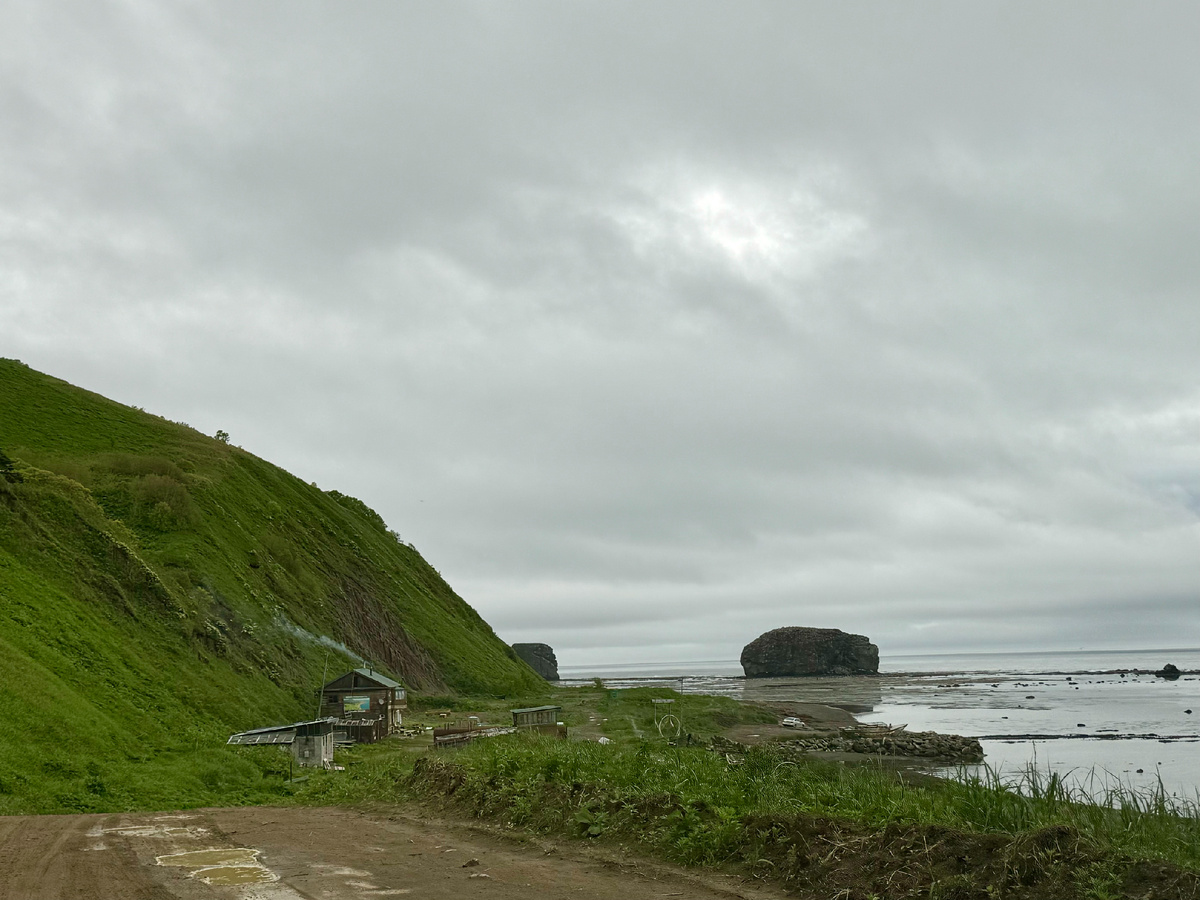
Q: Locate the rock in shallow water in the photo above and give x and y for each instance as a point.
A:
(809, 651)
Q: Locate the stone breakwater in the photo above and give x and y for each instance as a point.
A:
(916, 744)
(945, 748)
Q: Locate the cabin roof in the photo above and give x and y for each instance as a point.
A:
(275, 734)
(536, 709)
(381, 680)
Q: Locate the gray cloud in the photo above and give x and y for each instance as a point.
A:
(654, 326)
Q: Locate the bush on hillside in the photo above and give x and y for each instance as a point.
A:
(283, 552)
(131, 464)
(164, 502)
(359, 507)
(69, 468)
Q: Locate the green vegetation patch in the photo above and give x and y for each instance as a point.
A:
(821, 829)
(161, 589)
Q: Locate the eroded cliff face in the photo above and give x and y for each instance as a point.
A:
(540, 658)
(795, 651)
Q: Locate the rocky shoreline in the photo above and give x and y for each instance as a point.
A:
(834, 733)
(924, 745)
(948, 748)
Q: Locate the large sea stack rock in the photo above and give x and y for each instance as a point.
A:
(809, 651)
(540, 658)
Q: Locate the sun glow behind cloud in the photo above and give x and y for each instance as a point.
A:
(746, 234)
(760, 231)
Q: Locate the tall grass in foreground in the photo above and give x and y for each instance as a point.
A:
(1114, 814)
(515, 778)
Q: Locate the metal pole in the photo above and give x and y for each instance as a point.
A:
(320, 695)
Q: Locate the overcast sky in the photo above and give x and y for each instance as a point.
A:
(654, 325)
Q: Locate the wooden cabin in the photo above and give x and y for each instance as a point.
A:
(367, 705)
(539, 718)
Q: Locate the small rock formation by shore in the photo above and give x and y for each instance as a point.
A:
(795, 651)
(540, 658)
(1170, 672)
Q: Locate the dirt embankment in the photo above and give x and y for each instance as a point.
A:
(815, 717)
(264, 853)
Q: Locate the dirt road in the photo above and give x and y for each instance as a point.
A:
(265, 853)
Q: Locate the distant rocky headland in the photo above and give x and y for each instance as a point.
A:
(786, 652)
(540, 658)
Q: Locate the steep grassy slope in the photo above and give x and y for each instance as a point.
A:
(159, 588)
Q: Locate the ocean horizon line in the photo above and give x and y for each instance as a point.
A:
(583, 669)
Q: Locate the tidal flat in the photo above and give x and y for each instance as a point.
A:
(1100, 720)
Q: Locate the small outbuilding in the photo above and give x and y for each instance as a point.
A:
(310, 743)
(367, 705)
(539, 718)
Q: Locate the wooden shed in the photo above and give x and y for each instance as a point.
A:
(367, 705)
(310, 743)
(539, 718)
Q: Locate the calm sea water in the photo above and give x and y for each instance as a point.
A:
(1071, 713)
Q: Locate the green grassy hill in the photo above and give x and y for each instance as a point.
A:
(160, 589)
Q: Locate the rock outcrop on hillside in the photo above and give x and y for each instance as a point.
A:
(540, 658)
(787, 652)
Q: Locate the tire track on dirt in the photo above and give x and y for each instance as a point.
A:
(320, 854)
(32, 858)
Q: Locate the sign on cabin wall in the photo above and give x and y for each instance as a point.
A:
(356, 704)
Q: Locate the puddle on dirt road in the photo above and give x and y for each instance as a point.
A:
(373, 890)
(340, 870)
(166, 832)
(363, 888)
(97, 834)
(234, 875)
(231, 866)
